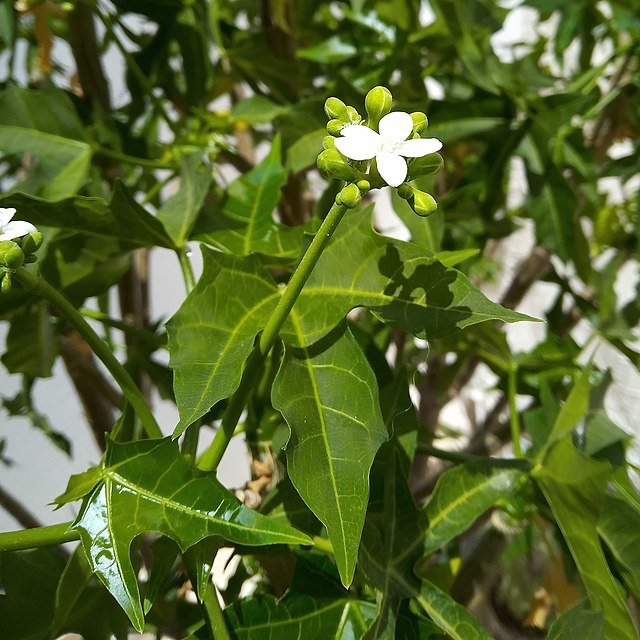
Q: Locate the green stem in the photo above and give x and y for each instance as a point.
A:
(187, 269)
(211, 458)
(37, 284)
(442, 454)
(38, 537)
(140, 162)
(218, 626)
(513, 411)
(150, 339)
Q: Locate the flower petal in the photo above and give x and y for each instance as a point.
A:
(6, 215)
(16, 229)
(392, 168)
(418, 147)
(358, 142)
(396, 126)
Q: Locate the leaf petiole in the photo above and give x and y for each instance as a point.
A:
(38, 285)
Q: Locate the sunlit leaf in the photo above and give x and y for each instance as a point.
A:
(335, 435)
(148, 486)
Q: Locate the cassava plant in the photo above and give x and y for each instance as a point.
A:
(274, 138)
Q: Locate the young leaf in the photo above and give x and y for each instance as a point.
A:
(574, 486)
(335, 434)
(148, 486)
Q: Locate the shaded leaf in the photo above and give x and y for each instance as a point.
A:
(246, 225)
(61, 165)
(462, 495)
(148, 486)
(578, 622)
(178, 214)
(328, 396)
(122, 218)
(574, 486)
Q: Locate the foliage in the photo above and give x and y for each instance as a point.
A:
(335, 347)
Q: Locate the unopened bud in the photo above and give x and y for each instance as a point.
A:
(377, 103)
(335, 108)
(363, 185)
(11, 254)
(329, 142)
(350, 196)
(353, 117)
(334, 127)
(31, 242)
(423, 203)
(333, 165)
(405, 191)
(420, 121)
(425, 166)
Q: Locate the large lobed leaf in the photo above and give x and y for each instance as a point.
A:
(575, 486)
(149, 487)
(212, 333)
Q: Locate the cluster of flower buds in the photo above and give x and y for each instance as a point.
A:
(375, 150)
(19, 241)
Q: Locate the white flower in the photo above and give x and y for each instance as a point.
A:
(390, 147)
(16, 229)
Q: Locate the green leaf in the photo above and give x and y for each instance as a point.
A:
(31, 344)
(578, 622)
(334, 49)
(573, 410)
(334, 435)
(212, 333)
(61, 166)
(462, 495)
(148, 486)
(393, 541)
(450, 616)
(314, 607)
(574, 486)
(618, 526)
(256, 110)
(178, 214)
(29, 580)
(122, 218)
(246, 225)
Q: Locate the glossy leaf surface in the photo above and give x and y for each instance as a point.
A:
(578, 622)
(574, 486)
(327, 394)
(148, 486)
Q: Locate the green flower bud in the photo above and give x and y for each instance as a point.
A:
(31, 242)
(11, 254)
(30, 258)
(423, 203)
(329, 142)
(420, 121)
(5, 285)
(350, 196)
(405, 191)
(332, 164)
(377, 103)
(353, 117)
(363, 185)
(334, 127)
(335, 108)
(425, 166)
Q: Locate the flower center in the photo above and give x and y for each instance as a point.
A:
(389, 146)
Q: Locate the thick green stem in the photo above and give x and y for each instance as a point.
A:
(39, 537)
(217, 624)
(127, 159)
(36, 284)
(211, 458)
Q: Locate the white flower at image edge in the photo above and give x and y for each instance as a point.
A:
(390, 147)
(16, 229)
